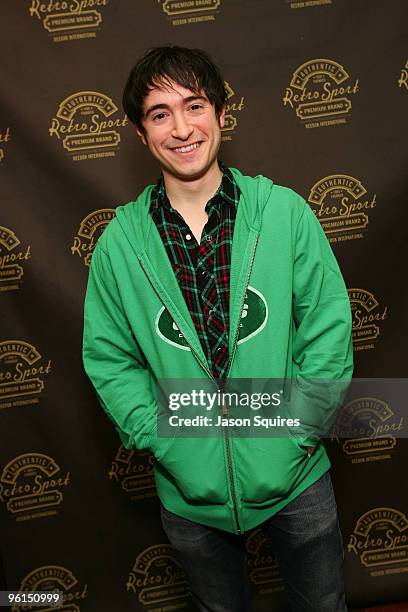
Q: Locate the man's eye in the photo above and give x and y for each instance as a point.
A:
(196, 106)
(159, 116)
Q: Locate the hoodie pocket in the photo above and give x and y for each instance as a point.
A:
(267, 468)
(197, 468)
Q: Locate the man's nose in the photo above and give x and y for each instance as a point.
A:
(181, 127)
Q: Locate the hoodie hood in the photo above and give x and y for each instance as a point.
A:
(136, 222)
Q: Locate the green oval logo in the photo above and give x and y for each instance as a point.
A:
(253, 319)
(168, 331)
(254, 315)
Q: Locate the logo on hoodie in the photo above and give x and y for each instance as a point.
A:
(253, 319)
(87, 125)
(368, 317)
(157, 579)
(23, 371)
(67, 20)
(5, 137)
(12, 259)
(183, 12)
(342, 205)
(380, 541)
(321, 93)
(31, 486)
(55, 578)
(90, 229)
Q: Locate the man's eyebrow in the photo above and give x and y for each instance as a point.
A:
(186, 100)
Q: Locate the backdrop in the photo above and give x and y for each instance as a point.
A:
(318, 91)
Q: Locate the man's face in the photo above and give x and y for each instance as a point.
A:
(182, 131)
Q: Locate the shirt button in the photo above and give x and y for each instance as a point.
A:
(188, 236)
(208, 238)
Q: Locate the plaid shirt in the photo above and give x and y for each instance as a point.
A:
(203, 270)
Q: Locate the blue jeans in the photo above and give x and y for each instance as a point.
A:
(306, 540)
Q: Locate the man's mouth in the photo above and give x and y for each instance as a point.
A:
(187, 148)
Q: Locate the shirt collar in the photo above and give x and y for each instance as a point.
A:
(228, 192)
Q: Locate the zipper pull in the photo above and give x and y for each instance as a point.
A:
(224, 410)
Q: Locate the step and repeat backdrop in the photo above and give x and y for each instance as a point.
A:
(317, 100)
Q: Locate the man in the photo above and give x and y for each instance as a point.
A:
(172, 284)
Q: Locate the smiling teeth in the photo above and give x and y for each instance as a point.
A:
(186, 149)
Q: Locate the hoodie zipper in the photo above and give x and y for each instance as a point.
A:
(222, 385)
(224, 405)
(234, 346)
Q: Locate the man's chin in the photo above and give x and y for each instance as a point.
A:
(186, 174)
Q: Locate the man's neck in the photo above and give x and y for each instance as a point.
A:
(192, 195)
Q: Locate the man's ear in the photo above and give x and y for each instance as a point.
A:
(221, 118)
(141, 136)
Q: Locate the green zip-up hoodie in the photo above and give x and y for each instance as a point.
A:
(138, 330)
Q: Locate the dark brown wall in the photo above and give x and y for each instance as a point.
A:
(76, 510)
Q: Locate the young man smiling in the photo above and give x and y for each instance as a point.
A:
(182, 130)
(213, 274)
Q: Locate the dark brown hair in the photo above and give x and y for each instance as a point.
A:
(190, 68)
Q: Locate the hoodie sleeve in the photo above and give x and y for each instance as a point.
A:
(322, 343)
(113, 360)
